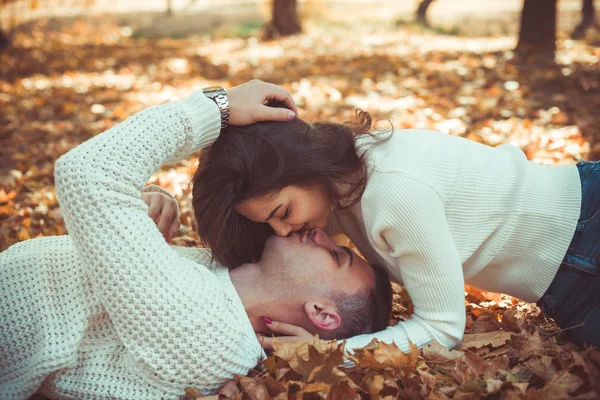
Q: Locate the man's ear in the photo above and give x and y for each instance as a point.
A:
(323, 315)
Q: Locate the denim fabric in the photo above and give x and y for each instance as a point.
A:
(573, 298)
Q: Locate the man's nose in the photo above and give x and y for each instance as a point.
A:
(321, 238)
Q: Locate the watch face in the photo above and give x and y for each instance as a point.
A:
(212, 89)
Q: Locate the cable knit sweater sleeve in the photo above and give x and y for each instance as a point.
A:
(409, 230)
(180, 323)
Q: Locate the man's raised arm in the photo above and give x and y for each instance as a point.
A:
(181, 324)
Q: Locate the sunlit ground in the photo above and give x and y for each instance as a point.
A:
(59, 88)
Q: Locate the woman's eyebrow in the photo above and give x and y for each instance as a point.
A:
(273, 212)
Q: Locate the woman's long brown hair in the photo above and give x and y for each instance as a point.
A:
(250, 161)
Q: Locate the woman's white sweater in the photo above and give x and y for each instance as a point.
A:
(440, 210)
(113, 311)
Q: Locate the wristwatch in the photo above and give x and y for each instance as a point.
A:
(219, 96)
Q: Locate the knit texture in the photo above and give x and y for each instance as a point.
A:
(113, 311)
(440, 210)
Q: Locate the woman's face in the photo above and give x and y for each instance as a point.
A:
(292, 209)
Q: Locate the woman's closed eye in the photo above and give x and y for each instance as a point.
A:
(285, 215)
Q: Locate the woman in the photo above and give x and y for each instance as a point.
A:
(436, 210)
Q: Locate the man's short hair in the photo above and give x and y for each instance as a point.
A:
(366, 311)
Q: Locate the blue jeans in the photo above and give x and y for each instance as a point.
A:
(573, 298)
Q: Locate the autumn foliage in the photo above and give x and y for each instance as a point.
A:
(509, 352)
(59, 88)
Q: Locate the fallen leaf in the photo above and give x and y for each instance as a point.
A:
(494, 339)
(380, 355)
(542, 367)
(436, 352)
(254, 389)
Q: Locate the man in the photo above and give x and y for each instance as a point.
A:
(112, 311)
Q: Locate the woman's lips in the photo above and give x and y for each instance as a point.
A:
(308, 235)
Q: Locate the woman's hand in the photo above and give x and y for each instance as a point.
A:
(291, 333)
(163, 210)
(247, 103)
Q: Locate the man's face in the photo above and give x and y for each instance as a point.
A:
(310, 263)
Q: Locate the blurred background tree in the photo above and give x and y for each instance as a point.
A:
(421, 15)
(537, 34)
(285, 20)
(588, 19)
(4, 30)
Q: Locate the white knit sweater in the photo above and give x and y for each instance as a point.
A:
(439, 210)
(112, 311)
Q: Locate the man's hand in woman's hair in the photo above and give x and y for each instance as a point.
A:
(163, 211)
(247, 103)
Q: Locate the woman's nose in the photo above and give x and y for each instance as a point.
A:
(282, 229)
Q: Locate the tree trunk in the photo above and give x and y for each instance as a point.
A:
(588, 18)
(4, 41)
(538, 27)
(421, 16)
(285, 20)
(169, 10)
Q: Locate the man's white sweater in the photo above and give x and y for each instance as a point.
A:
(113, 311)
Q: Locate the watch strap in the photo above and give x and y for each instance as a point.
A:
(219, 96)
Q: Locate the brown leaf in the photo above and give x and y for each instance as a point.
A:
(290, 351)
(447, 391)
(24, 234)
(6, 197)
(476, 364)
(255, 390)
(492, 367)
(319, 388)
(312, 361)
(342, 391)
(384, 356)
(493, 385)
(542, 367)
(409, 387)
(560, 387)
(280, 368)
(374, 385)
(591, 370)
(484, 323)
(230, 390)
(511, 322)
(494, 339)
(436, 352)
(531, 344)
(426, 377)
(192, 394)
(274, 387)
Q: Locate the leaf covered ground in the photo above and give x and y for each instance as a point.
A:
(59, 87)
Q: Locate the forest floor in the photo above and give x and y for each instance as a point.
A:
(59, 87)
